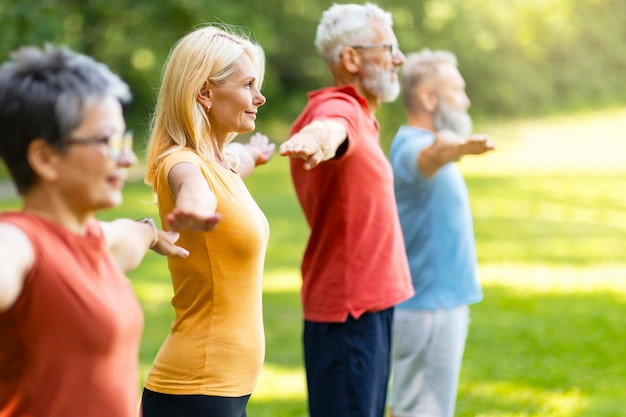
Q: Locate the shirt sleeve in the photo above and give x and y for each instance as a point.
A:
(172, 160)
(403, 154)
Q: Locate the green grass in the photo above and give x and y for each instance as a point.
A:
(550, 217)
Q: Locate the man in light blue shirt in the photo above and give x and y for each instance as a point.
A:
(430, 329)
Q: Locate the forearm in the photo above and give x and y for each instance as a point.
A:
(328, 135)
(194, 195)
(256, 152)
(195, 201)
(433, 157)
(450, 147)
(316, 142)
(248, 156)
(129, 240)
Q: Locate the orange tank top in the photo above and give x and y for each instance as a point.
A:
(69, 345)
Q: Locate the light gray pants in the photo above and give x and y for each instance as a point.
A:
(427, 349)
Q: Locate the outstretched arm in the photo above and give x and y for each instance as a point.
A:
(16, 258)
(449, 147)
(316, 142)
(256, 152)
(129, 240)
(195, 202)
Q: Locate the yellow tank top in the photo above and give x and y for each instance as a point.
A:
(216, 344)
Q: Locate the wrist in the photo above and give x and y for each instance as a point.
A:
(257, 155)
(260, 159)
(155, 232)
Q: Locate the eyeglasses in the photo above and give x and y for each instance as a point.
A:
(393, 48)
(116, 144)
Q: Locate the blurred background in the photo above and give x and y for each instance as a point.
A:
(520, 58)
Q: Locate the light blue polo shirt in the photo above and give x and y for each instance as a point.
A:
(436, 221)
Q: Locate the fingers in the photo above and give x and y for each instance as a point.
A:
(180, 252)
(291, 148)
(172, 236)
(489, 143)
(179, 220)
(174, 249)
(478, 144)
(310, 152)
(261, 144)
(268, 151)
(167, 245)
(314, 160)
(259, 139)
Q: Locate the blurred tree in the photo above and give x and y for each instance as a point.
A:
(519, 57)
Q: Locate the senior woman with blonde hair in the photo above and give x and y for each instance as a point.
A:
(210, 92)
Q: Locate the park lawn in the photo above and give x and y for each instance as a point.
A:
(550, 219)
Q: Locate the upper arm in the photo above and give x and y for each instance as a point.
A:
(418, 156)
(342, 110)
(404, 155)
(428, 161)
(126, 241)
(16, 257)
(337, 136)
(190, 188)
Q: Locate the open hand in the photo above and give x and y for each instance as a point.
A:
(181, 219)
(476, 145)
(166, 245)
(262, 144)
(301, 146)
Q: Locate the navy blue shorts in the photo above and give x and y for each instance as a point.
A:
(156, 404)
(348, 365)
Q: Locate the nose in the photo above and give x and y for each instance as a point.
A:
(399, 59)
(259, 100)
(127, 159)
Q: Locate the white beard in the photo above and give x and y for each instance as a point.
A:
(378, 84)
(458, 121)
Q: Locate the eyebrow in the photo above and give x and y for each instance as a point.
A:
(247, 78)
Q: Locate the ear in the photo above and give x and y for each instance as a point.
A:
(351, 60)
(427, 96)
(44, 160)
(204, 96)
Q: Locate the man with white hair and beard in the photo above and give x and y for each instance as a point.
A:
(354, 268)
(430, 329)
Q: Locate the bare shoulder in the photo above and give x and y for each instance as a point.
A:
(183, 170)
(16, 257)
(14, 240)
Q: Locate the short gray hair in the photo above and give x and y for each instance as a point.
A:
(346, 24)
(43, 94)
(420, 66)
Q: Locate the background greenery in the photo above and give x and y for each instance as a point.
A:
(519, 57)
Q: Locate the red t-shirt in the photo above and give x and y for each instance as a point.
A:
(355, 261)
(69, 346)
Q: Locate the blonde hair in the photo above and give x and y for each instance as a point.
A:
(179, 120)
